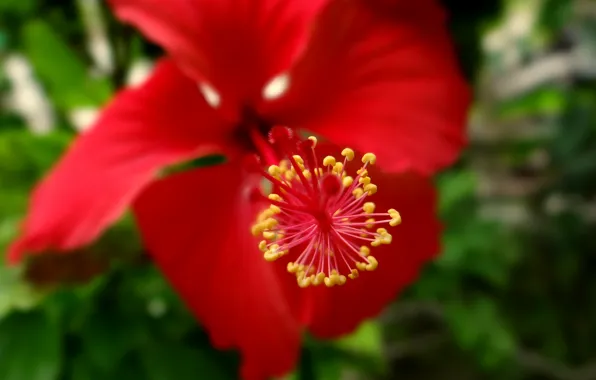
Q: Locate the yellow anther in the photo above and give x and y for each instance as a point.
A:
(387, 239)
(293, 267)
(274, 210)
(314, 140)
(370, 223)
(306, 174)
(364, 251)
(319, 171)
(383, 237)
(273, 253)
(269, 224)
(267, 213)
(338, 167)
(318, 279)
(257, 229)
(284, 165)
(332, 279)
(275, 197)
(395, 221)
(395, 217)
(364, 180)
(335, 279)
(274, 170)
(370, 188)
(263, 245)
(363, 172)
(289, 175)
(372, 263)
(303, 281)
(270, 257)
(298, 159)
(347, 181)
(269, 235)
(370, 158)
(329, 161)
(357, 192)
(369, 207)
(354, 274)
(348, 154)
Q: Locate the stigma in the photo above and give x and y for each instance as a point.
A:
(321, 215)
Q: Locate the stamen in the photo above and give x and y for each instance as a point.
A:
(321, 214)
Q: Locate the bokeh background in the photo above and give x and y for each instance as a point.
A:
(512, 296)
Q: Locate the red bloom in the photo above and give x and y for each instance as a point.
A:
(376, 75)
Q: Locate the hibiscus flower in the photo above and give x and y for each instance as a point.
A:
(374, 75)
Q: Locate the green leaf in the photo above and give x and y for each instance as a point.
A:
(361, 351)
(480, 248)
(24, 158)
(318, 362)
(555, 14)
(15, 294)
(175, 361)
(329, 370)
(367, 343)
(455, 187)
(126, 369)
(83, 369)
(9, 224)
(64, 73)
(478, 328)
(546, 100)
(20, 7)
(30, 347)
(195, 163)
(108, 336)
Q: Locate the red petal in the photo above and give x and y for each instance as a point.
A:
(197, 227)
(237, 46)
(381, 78)
(339, 310)
(143, 129)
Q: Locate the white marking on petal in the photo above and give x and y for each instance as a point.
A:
(276, 87)
(210, 94)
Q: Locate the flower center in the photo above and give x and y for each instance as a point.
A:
(320, 214)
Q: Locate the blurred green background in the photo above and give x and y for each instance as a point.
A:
(513, 296)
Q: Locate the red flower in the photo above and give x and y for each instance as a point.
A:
(376, 75)
(207, 252)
